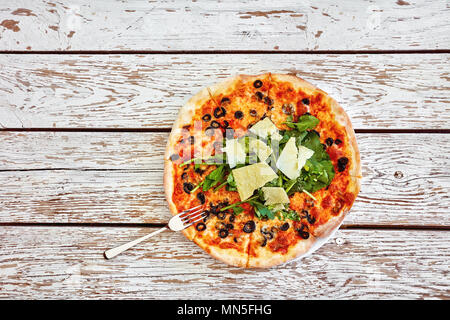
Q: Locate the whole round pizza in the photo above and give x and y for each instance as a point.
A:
(274, 162)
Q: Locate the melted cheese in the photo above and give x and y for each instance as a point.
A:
(275, 195)
(252, 177)
(235, 152)
(288, 160)
(265, 128)
(260, 148)
(303, 155)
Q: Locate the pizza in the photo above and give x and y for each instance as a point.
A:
(272, 160)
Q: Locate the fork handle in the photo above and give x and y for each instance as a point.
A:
(111, 253)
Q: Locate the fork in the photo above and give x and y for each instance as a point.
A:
(177, 223)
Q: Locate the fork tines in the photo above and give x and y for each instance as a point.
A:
(192, 215)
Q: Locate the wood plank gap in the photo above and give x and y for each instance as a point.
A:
(374, 131)
(160, 225)
(181, 52)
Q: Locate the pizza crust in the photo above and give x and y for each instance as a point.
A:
(303, 247)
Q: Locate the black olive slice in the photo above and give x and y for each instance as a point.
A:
(225, 100)
(232, 218)
(229, 226)
(264, 243)
(249, 226)
(225, 124)
(201, 197)
(329, 141)
(305, 101)
(338, 141)
(302, 233)
(187, 187)
(257, 84)
(221, 215)
(268, 101)
(184, 176)
(311, 219)
(253, 113)
(223, 233)
(238, 114)
(219, 112)
(285, 226)
(206, 117)
(259, 95)
(200, 226)
(342, 163)
(215, 124)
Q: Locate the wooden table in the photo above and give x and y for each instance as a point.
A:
(88, 93)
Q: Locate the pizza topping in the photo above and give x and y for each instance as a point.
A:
(342, 163)
(221, 215)
(288, 160)
(225, 100)
(259, 148)
(219, 112)
(206, 117)
(305, 101)
(265, 128)
(338, 141)
(285, 226)
(268, 101)
(302, 233)
(184, 176)
(188, 187)
(329, 142)
(174, 157)
(200, 226)
(249, 226)
(225, 124)
(288, 108)
(275, 195)
(253, 113)
(252, 177)
(303, 155)
(223, 233)
(235, 152)
(201, 197)
(259, 95)
(238, 114)
(215, 124)
(257, 84)
(231, 218)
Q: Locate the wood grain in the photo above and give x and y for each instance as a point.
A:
(116, 177)
(402, 91)
(67, 263)
(232, 25)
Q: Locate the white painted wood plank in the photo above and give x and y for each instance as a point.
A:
(230, 25)
(110, 177)
(402, 91)
(67, 263)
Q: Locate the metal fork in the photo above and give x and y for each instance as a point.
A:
(177, 223)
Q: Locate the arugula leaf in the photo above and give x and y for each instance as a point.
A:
(291, 215)
(305, 122)
(261, 210)
(213, 178)
(238, 210)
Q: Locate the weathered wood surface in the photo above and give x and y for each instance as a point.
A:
(116, 177)
(230, 25)
(67, 262)
(402, 91)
